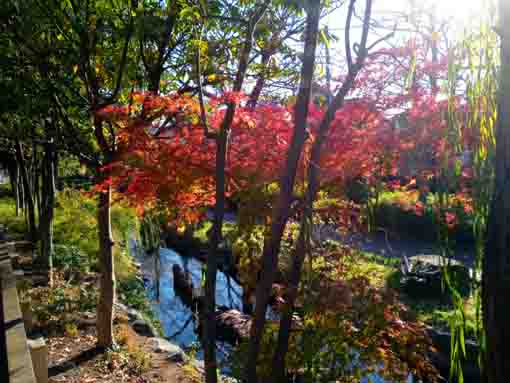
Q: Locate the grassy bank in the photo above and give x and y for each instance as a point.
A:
(77, 250)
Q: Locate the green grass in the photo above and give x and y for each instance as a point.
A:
(76, 241)
(75, 229)
(383, 272)
(14, 224)
(434, 312)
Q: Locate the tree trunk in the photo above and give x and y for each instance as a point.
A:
(14, 179)
(154, 80)
(29, 198)
(209, 338)
(259, 85)
(209, 324)
(20, 190)
(282, 345)
(279, 367)
(35, 172)
(281, 212)
(48, 202)
(104, 323)
(496, 263)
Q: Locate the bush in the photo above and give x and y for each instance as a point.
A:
(76, 235)
(132, 293)
(71, 257)
(396, 212)
(15, 225)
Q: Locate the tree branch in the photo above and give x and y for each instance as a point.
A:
(348, 53)
(380, 40)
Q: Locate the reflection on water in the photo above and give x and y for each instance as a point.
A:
(176, 318)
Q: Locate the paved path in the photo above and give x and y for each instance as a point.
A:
(393, 246)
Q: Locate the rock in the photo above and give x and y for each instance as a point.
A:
(174, 352)
(228, 379)
(86, 319)
(121, 317)
(422, 277)
(133, 315)
(121, 306)
(143, 328)
(231, 325)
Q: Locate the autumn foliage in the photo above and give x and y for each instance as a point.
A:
(167, 160)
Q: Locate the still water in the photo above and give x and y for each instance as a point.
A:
(178, 320)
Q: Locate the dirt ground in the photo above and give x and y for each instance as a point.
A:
(75, 359)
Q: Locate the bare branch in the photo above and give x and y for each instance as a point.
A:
(380, 40)
(348, 53)
(364, 35)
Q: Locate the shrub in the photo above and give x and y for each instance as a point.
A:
(71, 257)
(132, 293)
(398, 212)
(14, 224)
(71, 330)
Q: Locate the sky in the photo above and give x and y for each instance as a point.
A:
(459, 14)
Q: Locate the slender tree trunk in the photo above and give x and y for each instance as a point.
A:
(303, 238)
(104, 323)
(496, 263)
(279, 367)
(219, 209)
(212, 265)
(279, 364)
(14, 179)
(29, 198)
(261, 80)
(48, 202)
(20, 190)
(35, 171)
(281, 212)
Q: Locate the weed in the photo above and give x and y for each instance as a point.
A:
(140, 361)
(71, 330)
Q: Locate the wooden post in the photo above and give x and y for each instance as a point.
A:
(39, 355)
(28, 317)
